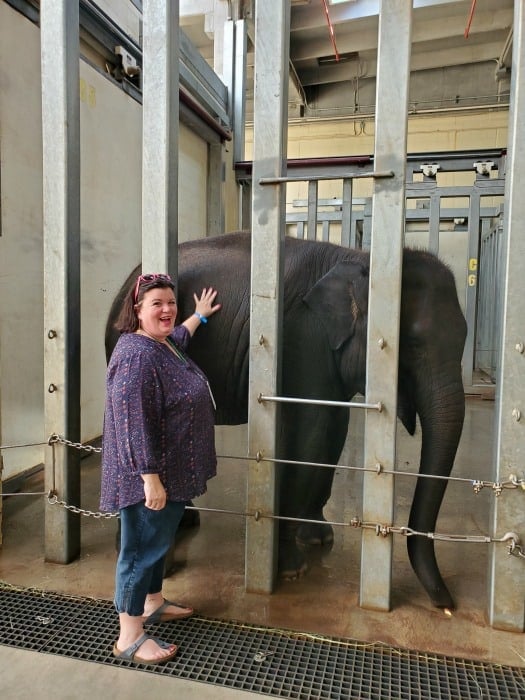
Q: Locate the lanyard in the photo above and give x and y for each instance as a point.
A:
(182, 357)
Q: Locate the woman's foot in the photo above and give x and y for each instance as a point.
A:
(144, 650)
(156, 611)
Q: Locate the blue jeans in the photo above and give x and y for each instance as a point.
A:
(145, 537)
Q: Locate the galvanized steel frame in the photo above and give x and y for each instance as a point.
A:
(160, 137)
(507, 582)
(61, 223)
(386, 250)
(272, 31)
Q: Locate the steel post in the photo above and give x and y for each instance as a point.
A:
(388, 224)
(272, 33)
(59, 36)
(160, 138)
(506, 573)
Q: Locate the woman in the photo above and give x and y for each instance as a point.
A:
(158, 452)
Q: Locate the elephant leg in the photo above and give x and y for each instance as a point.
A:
(317, 534)
(190, 518)
(321, 479)
(305, 490)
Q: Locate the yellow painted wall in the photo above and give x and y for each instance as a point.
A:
(444, 132)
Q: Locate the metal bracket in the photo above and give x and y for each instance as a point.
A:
(430, 169)
(129, 65)
(483, 167)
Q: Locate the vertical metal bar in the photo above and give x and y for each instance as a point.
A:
(486, 298)
(272, 33)
(59, 32)
(311, 227)
(1, 456)
(245, 205)
(160, 137)
(214, 181)
(228, 64)
(499, 284)
(326, 231)
(388, 227)
(433, 223)
(471, 299)
(367, 224)
(239, 90)
(356, 217)
(346, 214)
(507, 583)
(300, 229)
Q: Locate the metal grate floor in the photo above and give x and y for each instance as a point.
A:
(277, 663)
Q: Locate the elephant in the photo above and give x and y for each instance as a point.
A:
(324, 357)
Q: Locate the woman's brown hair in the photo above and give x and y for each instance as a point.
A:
(127, 320)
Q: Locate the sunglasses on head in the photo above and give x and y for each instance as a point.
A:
(149, 278)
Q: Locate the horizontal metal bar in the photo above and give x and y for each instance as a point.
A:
(319, 402)
(25, 444)
(316, 178)
(224, 511)
(380, 528)
(477, 484)
(27, 493)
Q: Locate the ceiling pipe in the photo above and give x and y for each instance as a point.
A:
(330, 29)
(470, 17)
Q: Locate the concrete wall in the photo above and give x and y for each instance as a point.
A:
(111, 124)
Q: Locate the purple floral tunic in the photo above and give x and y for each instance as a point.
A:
(158, 419)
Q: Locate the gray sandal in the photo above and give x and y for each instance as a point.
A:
(130, 654)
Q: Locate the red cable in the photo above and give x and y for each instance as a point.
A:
(331, 29)
(471, 15)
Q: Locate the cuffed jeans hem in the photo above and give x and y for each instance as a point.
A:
(145, 538)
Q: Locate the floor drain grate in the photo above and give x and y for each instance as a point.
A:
(278, 663)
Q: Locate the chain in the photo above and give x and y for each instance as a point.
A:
(54, 438)
(513, 541)
(52, 499)
(514, 545)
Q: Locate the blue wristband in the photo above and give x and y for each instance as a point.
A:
(201, 318)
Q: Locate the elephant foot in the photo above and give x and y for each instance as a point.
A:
(315, 535)
(292, 564)
(190, 518)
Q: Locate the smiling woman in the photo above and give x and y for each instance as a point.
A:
(157, 452)
(157, 313)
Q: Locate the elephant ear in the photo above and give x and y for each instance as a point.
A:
(339, 300)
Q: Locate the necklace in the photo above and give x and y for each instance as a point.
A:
(141, 331)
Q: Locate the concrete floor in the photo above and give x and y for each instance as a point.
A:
(209, 567)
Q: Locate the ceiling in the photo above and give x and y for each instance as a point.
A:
(448, 69)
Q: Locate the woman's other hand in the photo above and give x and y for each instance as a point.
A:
(154, 492)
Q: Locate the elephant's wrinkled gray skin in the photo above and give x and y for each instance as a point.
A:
(324, 352)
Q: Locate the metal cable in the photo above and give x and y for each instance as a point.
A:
(510, 538)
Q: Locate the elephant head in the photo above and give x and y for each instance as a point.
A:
(432, 337)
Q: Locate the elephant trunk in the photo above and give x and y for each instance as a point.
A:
(441, 409)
